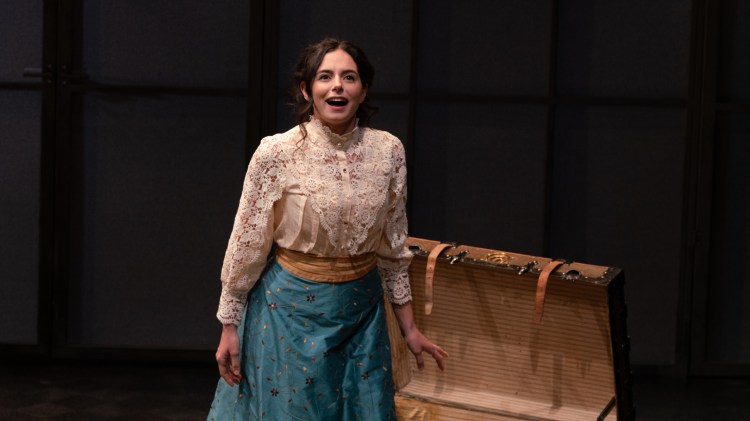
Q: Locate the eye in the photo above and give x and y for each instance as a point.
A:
(351, 77)
(324, 76)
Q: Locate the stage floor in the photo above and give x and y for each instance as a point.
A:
(154, 392)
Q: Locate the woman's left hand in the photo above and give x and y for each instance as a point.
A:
(419, 344)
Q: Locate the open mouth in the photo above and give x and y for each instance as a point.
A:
(337, 102)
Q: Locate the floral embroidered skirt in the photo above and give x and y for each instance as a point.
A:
(311, 351)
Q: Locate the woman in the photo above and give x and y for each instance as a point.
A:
(304, 334)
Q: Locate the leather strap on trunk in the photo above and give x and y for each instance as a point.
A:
(541, 288)
(430, 274)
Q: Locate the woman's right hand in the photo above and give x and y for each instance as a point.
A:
(228, 355)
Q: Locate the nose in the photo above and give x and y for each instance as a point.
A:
(337, 86)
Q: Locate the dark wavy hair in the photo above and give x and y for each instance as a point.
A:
(307, 66)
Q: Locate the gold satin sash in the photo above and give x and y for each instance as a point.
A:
(325, 269)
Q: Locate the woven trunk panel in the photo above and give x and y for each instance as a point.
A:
(501, 364)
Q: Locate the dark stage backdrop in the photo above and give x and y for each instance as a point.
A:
(575, 129)
(145, 157)
(20, 173)
(158, 172)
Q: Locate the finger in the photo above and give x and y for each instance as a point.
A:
(235, 365)
(228, 378)
(221, 364)
(439, 361)
(420, 360)
(225, 373)
(224, 370)
(441, 352)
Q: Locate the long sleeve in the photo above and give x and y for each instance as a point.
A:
(252, 233)
(393, 255)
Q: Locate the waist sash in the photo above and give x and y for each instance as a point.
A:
(326, 269)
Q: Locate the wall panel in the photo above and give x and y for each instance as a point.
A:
(161, 179)
(20, 153)
(617, 200)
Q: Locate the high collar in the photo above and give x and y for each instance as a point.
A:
(323, 133)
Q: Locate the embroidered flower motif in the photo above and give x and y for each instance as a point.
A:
(310, 297)
(309, 380)
(274, 392)
(272, 306)
(366, 376)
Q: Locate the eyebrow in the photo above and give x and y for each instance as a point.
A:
(331, 71)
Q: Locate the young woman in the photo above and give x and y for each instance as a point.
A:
(304, 333)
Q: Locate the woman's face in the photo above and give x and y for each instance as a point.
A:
(337, 91)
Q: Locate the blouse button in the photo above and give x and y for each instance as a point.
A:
(344, 170)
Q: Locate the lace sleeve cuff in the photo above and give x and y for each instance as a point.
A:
(396, 280)
(230, 307)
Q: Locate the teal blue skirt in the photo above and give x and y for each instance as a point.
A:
(311, 351)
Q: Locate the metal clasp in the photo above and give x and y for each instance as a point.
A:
(525, 268)
(572, 275)
(458, 256)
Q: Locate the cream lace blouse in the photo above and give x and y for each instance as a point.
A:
(327, 195)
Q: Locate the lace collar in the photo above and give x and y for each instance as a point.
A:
(323, 133)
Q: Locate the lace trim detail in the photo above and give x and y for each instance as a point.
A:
(230, 308)
(251, 237)
(330, 135)
(370, 163)
(396, 284)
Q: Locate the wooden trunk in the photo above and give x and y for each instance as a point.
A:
(505, 365)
